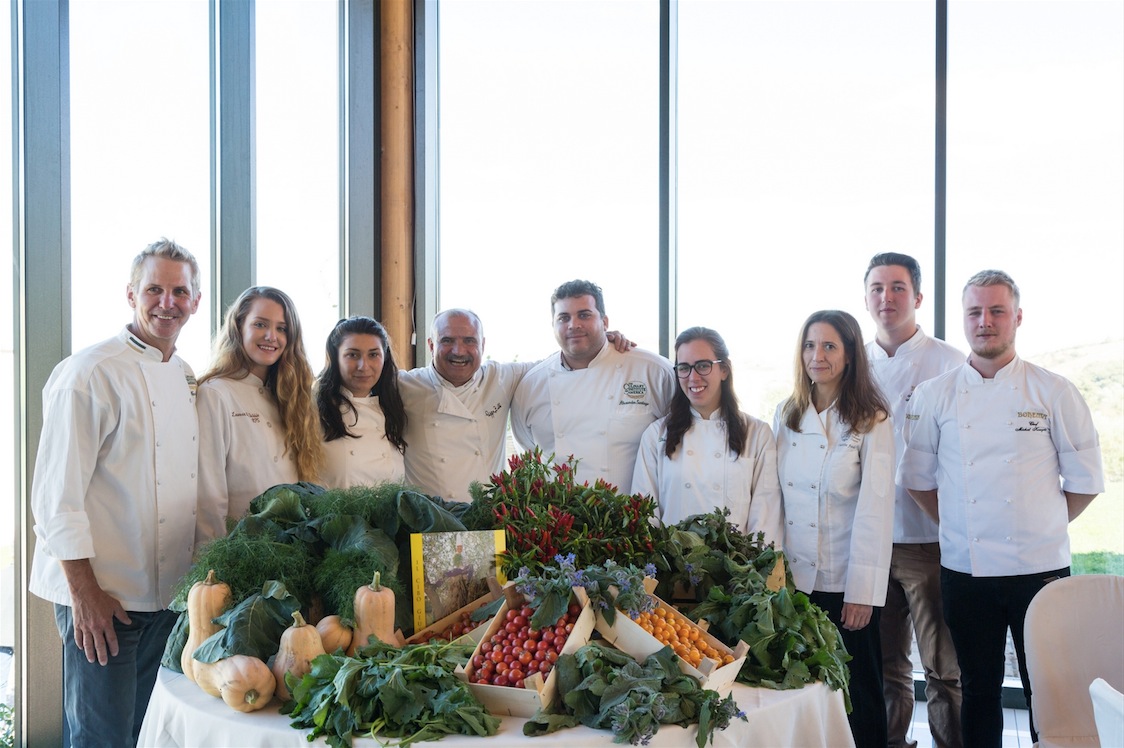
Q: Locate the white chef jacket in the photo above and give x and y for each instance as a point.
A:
(457, 435)
(838, 488)
(368, 457)
(1000, 452)
(597, 414)
(917, 359)
(705, 474)
(241, 450)
(115, 476)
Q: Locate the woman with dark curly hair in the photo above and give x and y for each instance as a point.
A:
(706, 453)
(257, 424)
(835, 456)
(361, 412)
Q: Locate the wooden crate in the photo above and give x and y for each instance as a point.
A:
(627, 636)
(440, 625)
(536, 692)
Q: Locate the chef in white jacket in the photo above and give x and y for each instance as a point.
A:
(706, 454)
(361, 413)
(589, 400)
(835, 454)
(458, 408)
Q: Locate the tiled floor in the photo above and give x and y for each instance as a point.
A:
(1016, 728)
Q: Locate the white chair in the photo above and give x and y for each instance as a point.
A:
(1108, 708)
(1074, 633)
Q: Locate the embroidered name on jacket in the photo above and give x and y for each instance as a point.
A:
(635, 394)
(254, 417)
(1033, 420)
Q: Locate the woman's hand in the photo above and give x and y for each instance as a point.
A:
(856, 617)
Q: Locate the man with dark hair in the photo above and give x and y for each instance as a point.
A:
(114, 499)
(1002, 454)
(590, 400)
(901, 357)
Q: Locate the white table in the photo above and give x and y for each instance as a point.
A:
(180, 714)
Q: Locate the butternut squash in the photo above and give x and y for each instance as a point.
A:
(206, 600)
(300, 645)
(374, 614)
(334, 634)
(243, 682)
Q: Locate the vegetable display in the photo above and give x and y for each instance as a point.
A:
(409, 694)
(608, 690)
(518, 649)
(300, 645)
(205, 602)
(243, 682)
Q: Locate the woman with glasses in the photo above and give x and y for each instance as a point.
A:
(706, 453)
(257, 425)
(361, 412)
(835, 453)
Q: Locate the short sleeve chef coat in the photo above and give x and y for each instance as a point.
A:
(1000, 452)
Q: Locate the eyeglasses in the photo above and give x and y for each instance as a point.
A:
(702, 367)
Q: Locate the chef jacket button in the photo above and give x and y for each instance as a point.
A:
(812, 525)
(794, 444)
(609, 396)
(269, 424)
(967, 425)
(192, 512)
(717, 487)
(1008, 537)
(275, 459)
(790, 483)
(718, 455)
(971, 463)
(1007, 500)
(261, 390)
(351, 452)
(556, 402)
(161, 559)
(433, 424)
(790, 522)
(154, 403)
(159, 483)
(690, 451)
(477, 453)
(686, 485)
(822, 446)
(443, 459)
(193, 475)
(813, 563)
(602, 433)
(1009, 423)
(971, 501)
(162, 520)
(193, 437)
(157, 442)
(813, 485)
(975, 540)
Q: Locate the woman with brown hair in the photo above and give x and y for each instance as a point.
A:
(835, 454)
(258, 426)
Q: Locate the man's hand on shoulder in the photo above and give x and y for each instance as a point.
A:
(94, 610)
(619, 341)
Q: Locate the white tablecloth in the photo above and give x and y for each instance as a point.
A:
(180, 714)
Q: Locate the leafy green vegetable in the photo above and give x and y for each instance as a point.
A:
(340, 574)
(606, 689)
(177, 640)
(246, 563)
(252, 627)
(408, 694)
(791, 641)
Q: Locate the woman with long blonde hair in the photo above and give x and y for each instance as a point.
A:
(258, 426)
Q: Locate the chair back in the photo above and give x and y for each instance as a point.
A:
(1108, 708)
(1074, 633)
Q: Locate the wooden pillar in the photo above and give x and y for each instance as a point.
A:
(396, 63)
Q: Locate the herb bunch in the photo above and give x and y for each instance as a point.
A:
(408, 694)
(546, 513)
(610, 588)
(606, 689)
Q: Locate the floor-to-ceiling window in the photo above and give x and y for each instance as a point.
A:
(298, 157)
(548, 164)
(140, 154)
(802, 153)
(1036, 188)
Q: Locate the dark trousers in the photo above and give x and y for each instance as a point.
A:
(868, 712)
(979, 610)
(105, 704)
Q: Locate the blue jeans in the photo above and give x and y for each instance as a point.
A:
(105, 705)
(979, 610)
